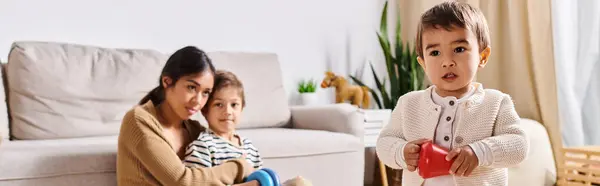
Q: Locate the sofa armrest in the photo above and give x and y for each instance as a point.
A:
(539, 166)
(342, 118)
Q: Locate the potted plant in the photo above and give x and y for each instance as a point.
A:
(403, 70)
(307, 90)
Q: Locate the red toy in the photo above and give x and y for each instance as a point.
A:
(432, 161)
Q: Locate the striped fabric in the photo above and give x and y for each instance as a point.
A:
(210, 150)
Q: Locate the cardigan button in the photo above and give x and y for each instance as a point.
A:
(448, 118)
(451, 103)
(458, 139)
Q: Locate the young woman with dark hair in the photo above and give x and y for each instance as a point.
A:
(155, 133)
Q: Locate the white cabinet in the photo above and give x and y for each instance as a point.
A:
(375, 120)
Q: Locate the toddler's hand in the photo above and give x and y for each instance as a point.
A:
(411, 153)
(465, 161)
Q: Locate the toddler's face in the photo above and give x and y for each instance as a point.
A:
(451, 58)
(224, 110)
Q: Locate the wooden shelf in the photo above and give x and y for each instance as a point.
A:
(580, 166)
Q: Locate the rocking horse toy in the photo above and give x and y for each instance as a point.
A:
(358, 95)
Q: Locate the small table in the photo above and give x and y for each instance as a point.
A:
(375, 120)
(382, 167)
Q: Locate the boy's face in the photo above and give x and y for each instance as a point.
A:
(451, 58)
(224, 110)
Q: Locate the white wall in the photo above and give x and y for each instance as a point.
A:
(310, 36)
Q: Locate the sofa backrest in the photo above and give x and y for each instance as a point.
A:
(61, 90)
(266, 100)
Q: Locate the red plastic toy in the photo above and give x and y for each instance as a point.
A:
(432, 161)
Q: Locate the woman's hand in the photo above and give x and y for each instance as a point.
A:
(250, 183)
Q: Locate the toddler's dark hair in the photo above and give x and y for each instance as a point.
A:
(449, 14)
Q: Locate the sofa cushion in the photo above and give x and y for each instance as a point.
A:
(60, 90)
(23, 159)
(263, 83)
(285, 143)
(335, 169)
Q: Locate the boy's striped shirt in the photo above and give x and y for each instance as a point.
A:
(210, 150)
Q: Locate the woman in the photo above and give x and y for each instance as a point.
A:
(155, 133)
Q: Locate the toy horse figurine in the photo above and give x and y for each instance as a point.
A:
(358, 95)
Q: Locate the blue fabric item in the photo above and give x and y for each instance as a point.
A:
(273, 175)
(263, 178)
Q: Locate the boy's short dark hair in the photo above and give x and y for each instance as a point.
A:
(449, 14)
(226, 79)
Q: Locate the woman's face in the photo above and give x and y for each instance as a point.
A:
(189, 94)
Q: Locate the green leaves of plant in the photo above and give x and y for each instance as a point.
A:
(402, 67)
(307, 86)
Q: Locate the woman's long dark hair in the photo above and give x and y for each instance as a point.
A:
(188, 60)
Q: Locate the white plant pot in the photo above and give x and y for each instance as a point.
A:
(309, 98)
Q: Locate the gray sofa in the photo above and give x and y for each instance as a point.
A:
(65, 103)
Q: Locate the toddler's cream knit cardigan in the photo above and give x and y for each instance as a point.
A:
(489, 119)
